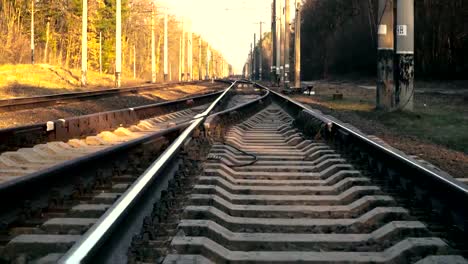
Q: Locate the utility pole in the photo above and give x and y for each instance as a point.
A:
(184, 76)
(153, 46)
(282, 44)
(251, 62)
(297, 48)
(189, 52)
(84, 43)
(385, 49)
(260, 69)
(134, 61)
(278, 39)
(32, 32)
(254, 59)
(216, 65)
(273, 41)
(180, 59)
(222, 68)
(100, 52)
(118, 44)
(165, 47)
(287, 35)
(199, 59)
(46, 58)
(405, 55)
(208, 58)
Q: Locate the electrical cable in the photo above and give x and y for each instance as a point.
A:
(381, 17)
(216, 157)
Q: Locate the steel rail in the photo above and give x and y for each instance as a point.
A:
(92, 239)
(46, 100)
(263, 97)
(451, 182)
(10, 138)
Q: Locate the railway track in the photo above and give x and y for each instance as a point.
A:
(267, 181)
(57, 99)
(25, 161)
(86, 125)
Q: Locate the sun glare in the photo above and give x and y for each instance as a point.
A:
(229, 25)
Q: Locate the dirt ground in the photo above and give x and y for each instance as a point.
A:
(437, 130)
(32, 116)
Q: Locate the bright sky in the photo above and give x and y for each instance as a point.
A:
(229, 25)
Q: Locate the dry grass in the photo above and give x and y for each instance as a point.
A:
(339, 105)
(178, 92)
(437, 118)
(29, 80)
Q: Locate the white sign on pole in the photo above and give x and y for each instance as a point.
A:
(402, 30)
(382, 30)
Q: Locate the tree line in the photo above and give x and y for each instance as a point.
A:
(57, 37)
(339, 37)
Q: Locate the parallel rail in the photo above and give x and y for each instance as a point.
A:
(55, 99)
(31, 187)
(81, 126)
(109, 239)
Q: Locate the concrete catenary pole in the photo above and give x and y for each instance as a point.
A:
(100, 52)
(208, 58)
(287, 35)
(166, 55)
(184, 75)
(199, 59)
(385, 97)
(254, 57)
(32, 31)
(223, 73)
(189, 52)
(180, 59)
(405, 55)
(84, 43)
(260, 55)
(251, 62)
(297, 48)
(282, 44)
(134, 61)
(153, 45)
(278, 39)
(46, 49)
(273, 41)
(118, 44)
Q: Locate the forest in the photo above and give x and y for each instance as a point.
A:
(57, 38)
(339, 38)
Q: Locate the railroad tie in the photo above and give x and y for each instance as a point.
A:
(298, 202)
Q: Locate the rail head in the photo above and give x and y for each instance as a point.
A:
(96, 236)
